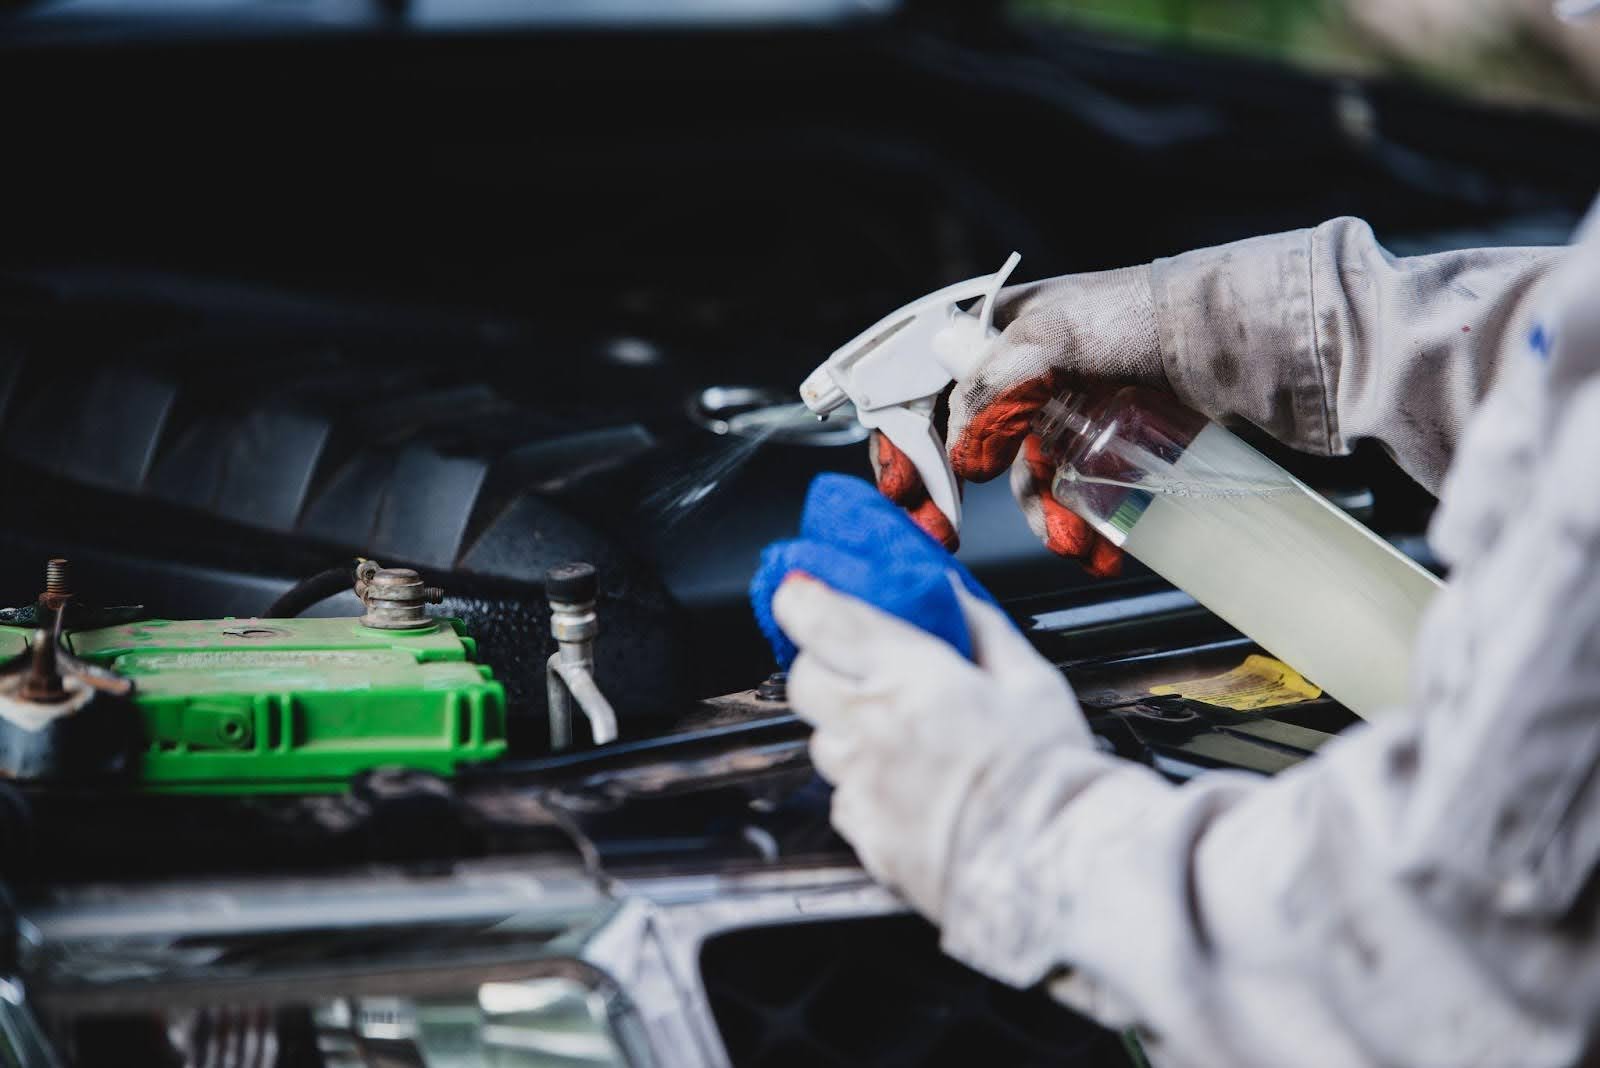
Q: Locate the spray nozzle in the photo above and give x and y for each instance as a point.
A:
(894, 371)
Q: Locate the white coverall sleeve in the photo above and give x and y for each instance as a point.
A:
(1322, 338)
(1424, 891)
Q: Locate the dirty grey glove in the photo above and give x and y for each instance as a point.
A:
(975, 789)
(1076, 328)
(916, 739)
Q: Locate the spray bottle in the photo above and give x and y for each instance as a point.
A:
(1180, 493)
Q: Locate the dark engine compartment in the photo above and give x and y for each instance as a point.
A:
(318, 280)
(273, 297)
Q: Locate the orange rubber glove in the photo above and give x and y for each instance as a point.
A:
(1053, 333)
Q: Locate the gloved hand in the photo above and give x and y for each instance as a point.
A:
(916, 740)
(1055, 333)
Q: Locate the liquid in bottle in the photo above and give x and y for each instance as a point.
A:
(1242, 536)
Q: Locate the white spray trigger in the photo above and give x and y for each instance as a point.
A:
(992, 294)
(894, 371)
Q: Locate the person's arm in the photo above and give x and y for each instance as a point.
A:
(1319, 336)
(1421, 892)
(1322, 338)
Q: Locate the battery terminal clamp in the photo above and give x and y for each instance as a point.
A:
(395, 598)
(61, 717)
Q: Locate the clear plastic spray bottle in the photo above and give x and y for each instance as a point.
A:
(1193, 502)
(1243, 537)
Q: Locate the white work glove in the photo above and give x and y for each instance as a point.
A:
(1073, 329)
(916, 740)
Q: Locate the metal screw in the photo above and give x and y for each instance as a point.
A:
(55, 576)
(775, 687)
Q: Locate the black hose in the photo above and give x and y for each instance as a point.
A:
(307, 592)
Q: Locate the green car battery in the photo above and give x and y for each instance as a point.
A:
(248, 706)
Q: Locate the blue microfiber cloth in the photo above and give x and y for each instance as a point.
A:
(855, 540)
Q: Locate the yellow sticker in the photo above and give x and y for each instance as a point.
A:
(1260, 682)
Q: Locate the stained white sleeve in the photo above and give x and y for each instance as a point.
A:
(1420, 893)
(1322, 338)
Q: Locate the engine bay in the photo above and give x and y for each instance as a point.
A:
(388, 460)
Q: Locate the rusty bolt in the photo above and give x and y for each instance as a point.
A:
(55, 576)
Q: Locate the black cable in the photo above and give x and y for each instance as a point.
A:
(307, 592)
